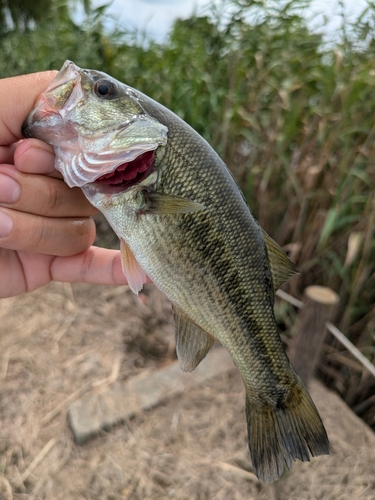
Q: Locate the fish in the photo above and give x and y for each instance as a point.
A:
(182, 220)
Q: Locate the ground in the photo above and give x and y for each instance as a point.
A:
(65, 341)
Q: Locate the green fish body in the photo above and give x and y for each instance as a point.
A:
(182, 221)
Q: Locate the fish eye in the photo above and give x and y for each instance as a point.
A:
(106, 89)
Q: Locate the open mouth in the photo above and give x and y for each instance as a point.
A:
(129, 174)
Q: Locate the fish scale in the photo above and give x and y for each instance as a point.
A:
(241, 237)
(186, 225)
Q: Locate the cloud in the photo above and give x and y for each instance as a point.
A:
(154, 16)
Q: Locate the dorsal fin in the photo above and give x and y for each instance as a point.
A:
(282, 268)
(192, 343)
(132, 270)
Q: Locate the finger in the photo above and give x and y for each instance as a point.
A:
(35, 157)
(98, 266)
(46, 235)
(17, 97)
(26, 271)
(41, 195)
(95, 265)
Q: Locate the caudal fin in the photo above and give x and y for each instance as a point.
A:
(279, 434)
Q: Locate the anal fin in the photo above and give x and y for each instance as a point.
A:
(192, 343)
(132, 270)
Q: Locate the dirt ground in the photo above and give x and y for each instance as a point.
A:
(65, 341)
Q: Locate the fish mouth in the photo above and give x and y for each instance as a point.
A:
(128, 174)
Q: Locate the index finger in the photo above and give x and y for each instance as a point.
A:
(17, 97)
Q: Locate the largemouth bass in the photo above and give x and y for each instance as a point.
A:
(182, 220)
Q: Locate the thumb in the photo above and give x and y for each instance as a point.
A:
(17, 97)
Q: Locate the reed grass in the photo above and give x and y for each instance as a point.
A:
(292, 116)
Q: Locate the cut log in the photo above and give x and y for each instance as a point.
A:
(320, 304)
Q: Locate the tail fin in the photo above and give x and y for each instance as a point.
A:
(279, 434)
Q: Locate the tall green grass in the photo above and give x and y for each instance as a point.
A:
(292, 116)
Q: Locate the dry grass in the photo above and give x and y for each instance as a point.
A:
(63, 341)
(292, 117)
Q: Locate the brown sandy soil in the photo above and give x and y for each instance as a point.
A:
(64, 341)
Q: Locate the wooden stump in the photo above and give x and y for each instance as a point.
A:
(319, 307)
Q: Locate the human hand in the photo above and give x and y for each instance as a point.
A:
(46, 231)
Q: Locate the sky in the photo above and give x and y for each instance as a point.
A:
(157, 16)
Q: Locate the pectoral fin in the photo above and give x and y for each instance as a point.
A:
(192, 343)
(163, 204)
(132, 270)
(281, 267)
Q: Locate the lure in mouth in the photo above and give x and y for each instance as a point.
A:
(130, 173)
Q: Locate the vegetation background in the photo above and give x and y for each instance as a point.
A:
(291, 115)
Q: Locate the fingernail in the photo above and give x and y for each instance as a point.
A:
(10, 190)
(6, 224)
